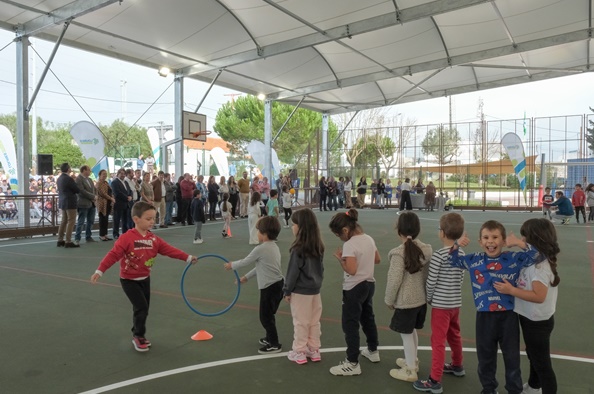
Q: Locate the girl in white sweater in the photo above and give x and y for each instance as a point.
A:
(405, 291)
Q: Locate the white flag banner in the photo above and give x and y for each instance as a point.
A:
(515, 149)
(153, 136)
(90, 141)
(8, 157)
(220, 158)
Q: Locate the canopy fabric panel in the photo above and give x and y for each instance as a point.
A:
(341, 55)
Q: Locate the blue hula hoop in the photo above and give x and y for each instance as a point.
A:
(204, 313)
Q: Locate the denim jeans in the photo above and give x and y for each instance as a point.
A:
(168, 212)
(85, 215)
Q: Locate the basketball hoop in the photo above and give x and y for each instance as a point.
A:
(197, 134)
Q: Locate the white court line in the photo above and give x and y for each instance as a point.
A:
(55, 238)
(197, 367)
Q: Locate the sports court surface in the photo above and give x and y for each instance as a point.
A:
(61, 334)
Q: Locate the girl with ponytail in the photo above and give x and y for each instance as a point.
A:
(405, 291)
(357, 258)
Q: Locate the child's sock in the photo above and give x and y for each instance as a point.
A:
(410, 350)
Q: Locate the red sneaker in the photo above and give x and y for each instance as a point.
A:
(140, 344)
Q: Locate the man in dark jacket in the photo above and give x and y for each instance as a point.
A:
(67, 202)
(565, 209)
(123, 196)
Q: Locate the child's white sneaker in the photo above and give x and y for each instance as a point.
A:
(374, 357)
(198, 241)
(346, 368)
(298, 357)
(402, 363)
(529, 390)
(406, 374)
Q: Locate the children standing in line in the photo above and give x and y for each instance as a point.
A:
(287, 205)
(136, 251)
(303, 282)
(226, 215)
(578, 200)
(444, 294)
(536, 298)
(547, 199)
(198, 216)
(253, 213)
(272, 205)
(357, 259)
(405, 291)
(267, 260)
(496, 322)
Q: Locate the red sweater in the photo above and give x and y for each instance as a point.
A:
(578, 199)
(136, 254)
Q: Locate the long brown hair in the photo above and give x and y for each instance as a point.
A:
(308, 240)
(541, 234)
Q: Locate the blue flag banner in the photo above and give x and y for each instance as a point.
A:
(515, 149)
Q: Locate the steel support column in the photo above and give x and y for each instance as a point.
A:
(23, 148)
(178, 125)
(268, 172)
(324, 166)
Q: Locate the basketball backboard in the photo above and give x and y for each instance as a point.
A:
(193, 125)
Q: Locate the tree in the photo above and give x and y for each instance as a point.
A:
(385, 149)
(381, 131)
(590, 133)
(242, 121)
(119, 134)
(442, 143)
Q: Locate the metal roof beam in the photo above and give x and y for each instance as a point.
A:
(458, 90)
(527, 46)
(345, 31)
(62, 14)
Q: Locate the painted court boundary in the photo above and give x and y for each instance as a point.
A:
(212, 364)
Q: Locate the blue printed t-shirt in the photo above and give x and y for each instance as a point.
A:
(271, 204)
(484, 271)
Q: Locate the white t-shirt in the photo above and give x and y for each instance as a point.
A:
(540, 272)
(226, 213)
(362, 247)
(287, 200)
(348, 186)
(405, 186)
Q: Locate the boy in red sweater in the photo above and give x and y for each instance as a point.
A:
(578, 200)
(136, 251)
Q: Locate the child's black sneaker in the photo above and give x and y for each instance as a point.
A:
(270, 349)
(456, 370)
(429, 386)
(264, 341)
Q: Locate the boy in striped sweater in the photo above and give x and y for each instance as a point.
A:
(444, 294)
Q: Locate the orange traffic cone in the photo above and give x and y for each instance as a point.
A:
(202, 335)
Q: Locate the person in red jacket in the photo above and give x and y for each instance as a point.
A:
(578, 200)
(136, 250)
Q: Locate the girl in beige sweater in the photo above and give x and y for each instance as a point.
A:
(405, 291)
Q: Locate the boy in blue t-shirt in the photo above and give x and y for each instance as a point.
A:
(272, 204)
(496, 321)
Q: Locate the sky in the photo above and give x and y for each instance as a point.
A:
(108, 89)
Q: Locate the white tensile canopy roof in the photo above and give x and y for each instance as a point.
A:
(335, 55)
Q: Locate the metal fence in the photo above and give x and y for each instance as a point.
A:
(467, 162)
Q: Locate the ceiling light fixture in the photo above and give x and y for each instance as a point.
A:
(164, 71)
